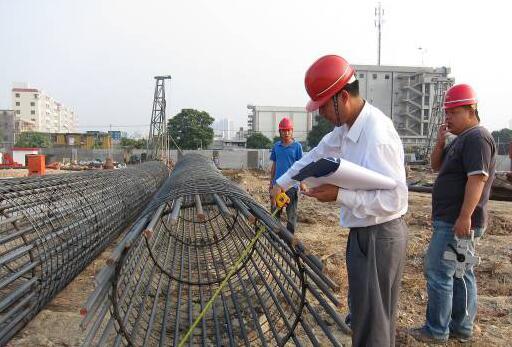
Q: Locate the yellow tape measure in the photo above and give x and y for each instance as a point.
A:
(282, 199)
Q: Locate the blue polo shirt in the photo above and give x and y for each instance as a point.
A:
(284, 156)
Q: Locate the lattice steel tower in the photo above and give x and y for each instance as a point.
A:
(157, 140)
(441, 85)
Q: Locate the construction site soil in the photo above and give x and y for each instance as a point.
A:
(58, 323)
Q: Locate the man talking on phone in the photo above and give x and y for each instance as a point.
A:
(459, 208)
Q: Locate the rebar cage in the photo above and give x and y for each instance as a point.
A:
(196, 239)
(52, 227)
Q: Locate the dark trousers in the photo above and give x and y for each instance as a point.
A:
(291, 209)
(375, 263)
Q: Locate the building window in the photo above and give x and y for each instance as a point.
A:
(17, 103)
(18, 112)
(361, 75)
(386, 77)
(36, 96)
(374, 76)
(17, 95)
(32, 112)
(32, 103)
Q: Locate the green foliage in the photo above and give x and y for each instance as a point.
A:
(258, 141)
(141, 144)
(322, 128)
(131, 143)
(502, 138)
(33, 139)
(191, 129)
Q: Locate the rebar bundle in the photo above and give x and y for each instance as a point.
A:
(52, 227)
(194, 270)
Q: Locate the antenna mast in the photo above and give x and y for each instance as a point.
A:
(379, 14)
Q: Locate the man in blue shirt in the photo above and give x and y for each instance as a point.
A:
(283, 155)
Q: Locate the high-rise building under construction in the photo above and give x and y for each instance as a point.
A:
(411, 96)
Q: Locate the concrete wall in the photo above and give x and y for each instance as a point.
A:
(19, 156)
(228, 159)
(377, 88)
(57, 154)
(233, 159)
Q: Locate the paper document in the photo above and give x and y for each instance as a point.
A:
(344, 174)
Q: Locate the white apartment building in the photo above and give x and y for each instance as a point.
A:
(265, 119)
(34, 106)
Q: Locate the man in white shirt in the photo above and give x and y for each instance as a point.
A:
(377, 241)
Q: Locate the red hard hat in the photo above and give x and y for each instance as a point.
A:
(326, 77)
(286, 124)
(459, 95)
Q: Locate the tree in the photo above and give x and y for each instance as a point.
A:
(131, 143)
(126, 142)
(502, 138)
(141, 144)
(321, 128)
(258, 141)
(33, 139)
(191, 129)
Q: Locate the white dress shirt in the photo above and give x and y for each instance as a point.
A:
(371, 142)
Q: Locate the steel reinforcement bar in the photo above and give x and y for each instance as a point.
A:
(165, 275)
(52, 227)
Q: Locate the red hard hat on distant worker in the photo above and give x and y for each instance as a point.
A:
(459, 95)
(326, 77)
(285, 124)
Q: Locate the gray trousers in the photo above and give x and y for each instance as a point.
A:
(375, 263)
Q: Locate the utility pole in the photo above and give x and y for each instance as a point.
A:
(423, 51)
(379, 14)
(157, 140)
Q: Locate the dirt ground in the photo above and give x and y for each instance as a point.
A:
(58, 323)
(11, 173)
(318, 229)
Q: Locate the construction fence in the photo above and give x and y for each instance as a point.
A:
(234, 159)
(224, 159)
